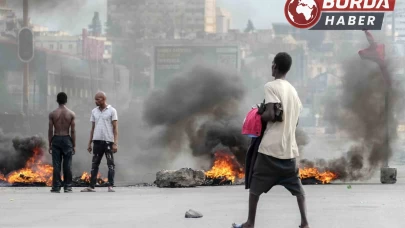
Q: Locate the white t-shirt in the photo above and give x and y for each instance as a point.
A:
(279, 138)
(103, 129)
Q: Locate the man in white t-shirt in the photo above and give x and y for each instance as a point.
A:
(104, 136)
(276, 160)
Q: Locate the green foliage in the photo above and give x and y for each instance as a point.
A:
(250, 27)
(112, 28)
(96, 27)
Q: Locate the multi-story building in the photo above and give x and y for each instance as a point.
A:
(223, 20)
(89, 47)
(396, 21)
(52, 72)
(58, 42)
(150, 17)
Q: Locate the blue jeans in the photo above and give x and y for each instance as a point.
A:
(62, 149)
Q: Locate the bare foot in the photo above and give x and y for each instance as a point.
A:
(244, 225)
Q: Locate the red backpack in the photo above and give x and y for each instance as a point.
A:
(252, 125)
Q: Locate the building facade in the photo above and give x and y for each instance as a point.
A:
(63, 43)
(52, 72)
(223, 21)
(165, 17)
(394, 23)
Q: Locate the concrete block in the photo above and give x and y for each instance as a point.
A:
(388, 175)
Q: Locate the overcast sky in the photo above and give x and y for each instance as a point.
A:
(261, 12)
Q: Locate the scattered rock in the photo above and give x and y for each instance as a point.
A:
(193, 214)
(184, 177)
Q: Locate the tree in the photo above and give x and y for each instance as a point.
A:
(250, 27)
(95, 27)
(112, 28)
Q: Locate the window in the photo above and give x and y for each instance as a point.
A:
(81, 93)
(60, 46)
(51, 46)
(85, 93)
(71, 92)
(49, 90)
(70, 46)
(54, 90)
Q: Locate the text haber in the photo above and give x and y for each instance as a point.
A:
(351, 20)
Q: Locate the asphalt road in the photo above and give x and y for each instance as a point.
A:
(370, 205)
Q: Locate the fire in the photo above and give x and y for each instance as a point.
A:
(225, 167)
(324, 177)
(86, 178)
(37, 172)
(33, 172)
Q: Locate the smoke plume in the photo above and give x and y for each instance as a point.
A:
(15, 151)
(360, 112)
(200, 108)
(61, 13)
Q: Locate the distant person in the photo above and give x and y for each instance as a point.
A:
(104, 136)
(61, 143)
(276, 159)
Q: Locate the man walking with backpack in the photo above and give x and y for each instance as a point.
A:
(276, 159)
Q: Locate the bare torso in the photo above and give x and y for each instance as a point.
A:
(62, 118)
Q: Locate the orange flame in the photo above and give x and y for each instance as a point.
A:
(86, 177)
(37, 172)
(34, 171)
(225, 166)
(324, 177)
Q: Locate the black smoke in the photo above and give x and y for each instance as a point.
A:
(61, 13)
(201, 107)
(16, 150)
(360, 111)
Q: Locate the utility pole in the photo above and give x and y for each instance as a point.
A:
(26, 64)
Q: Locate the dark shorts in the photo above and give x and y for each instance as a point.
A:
(270, 171)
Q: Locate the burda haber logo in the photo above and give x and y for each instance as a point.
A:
(337, 14)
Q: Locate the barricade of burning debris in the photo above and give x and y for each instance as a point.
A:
(225, 171)
(310, 174)
(186, 177)
(35, 173)
(35, 179)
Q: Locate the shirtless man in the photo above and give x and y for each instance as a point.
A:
(61, 143)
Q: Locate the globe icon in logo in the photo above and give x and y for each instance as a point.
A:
(302, 13)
